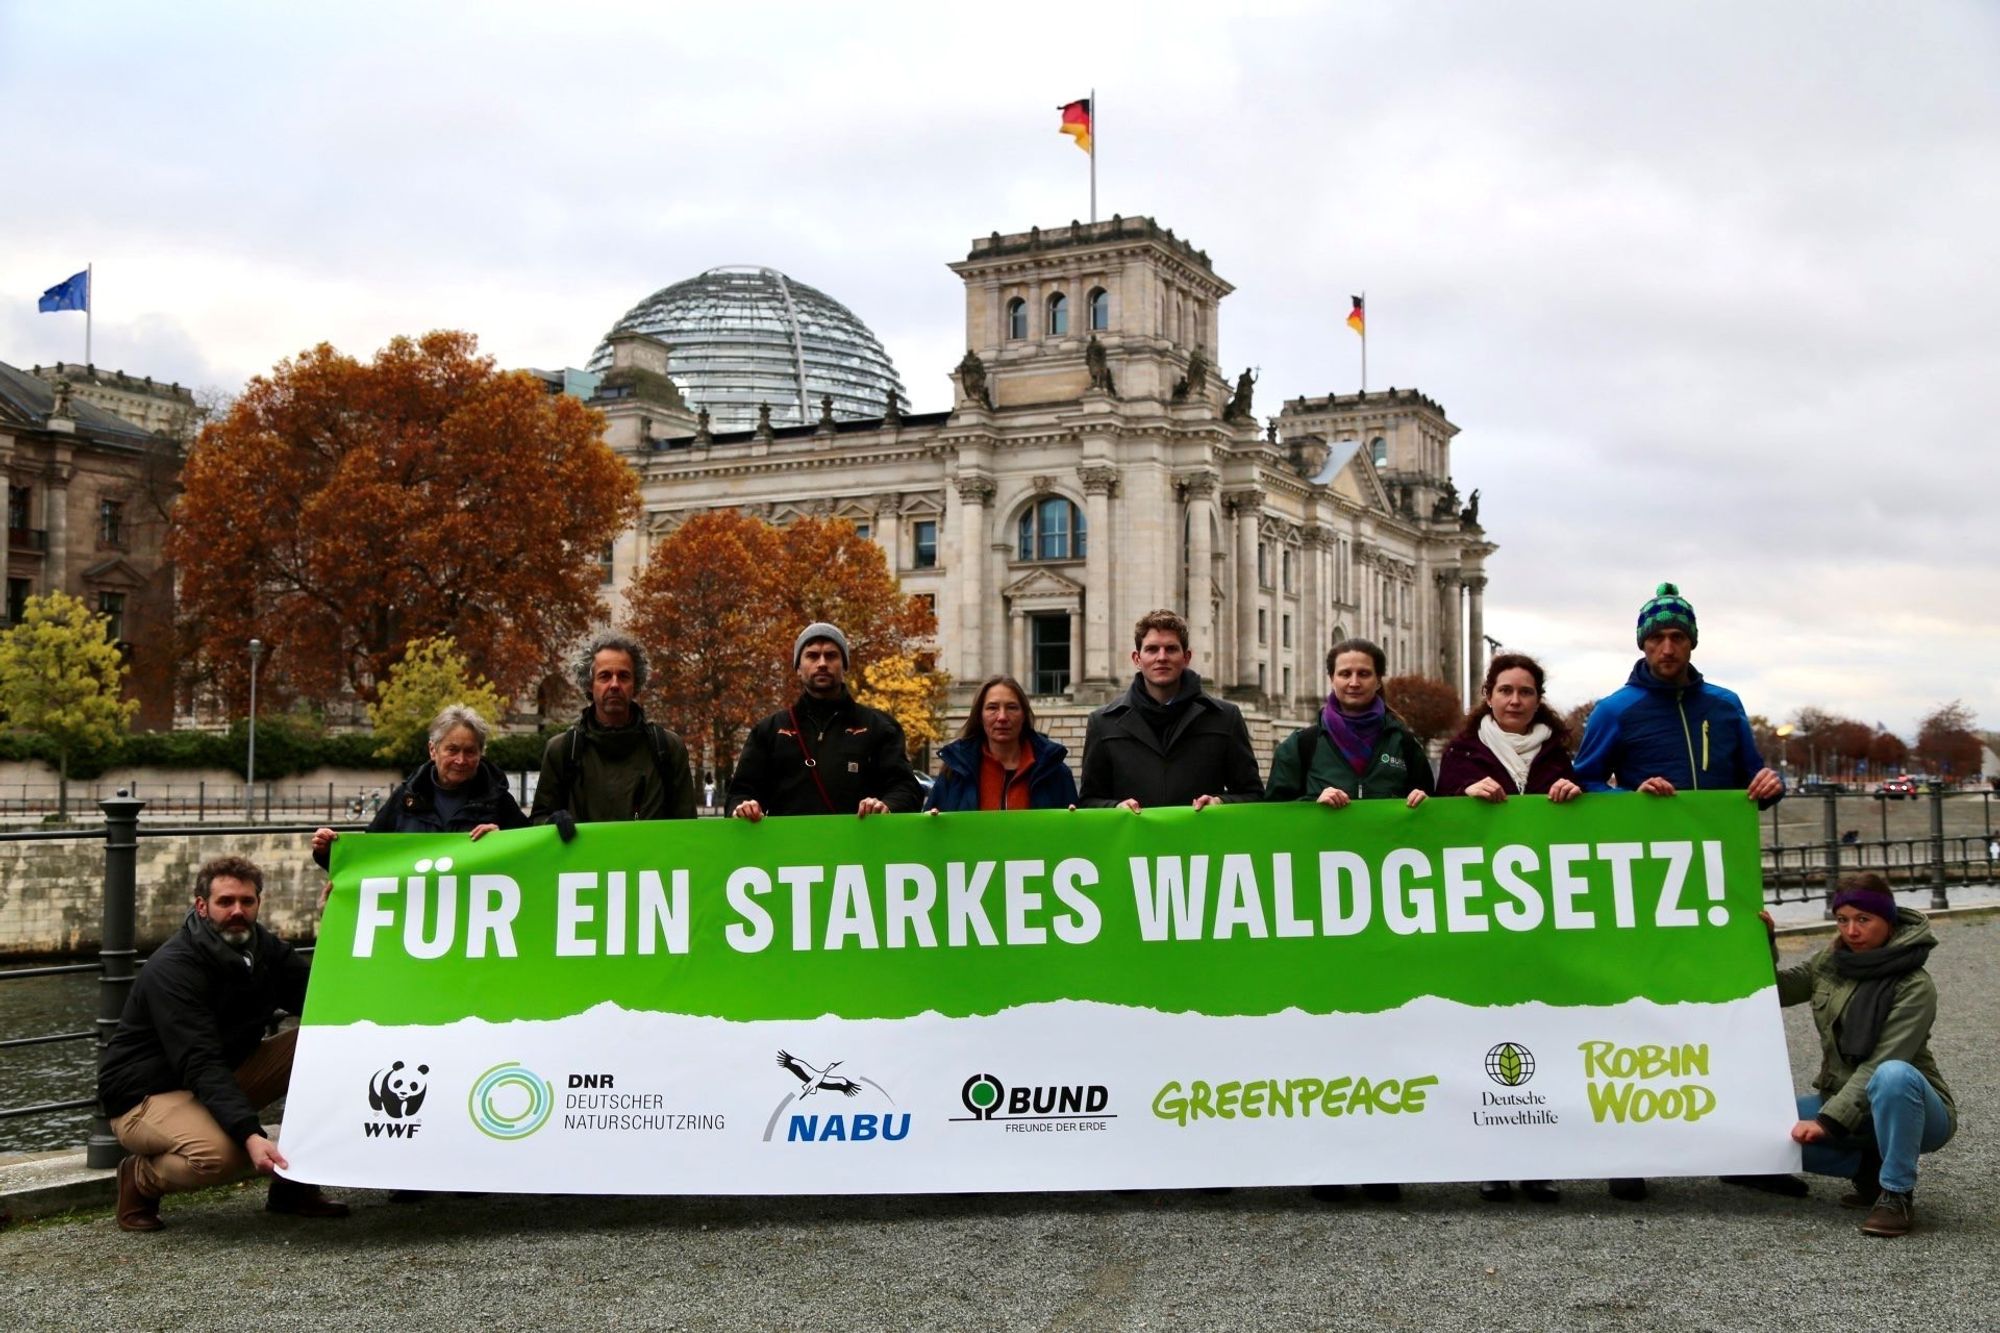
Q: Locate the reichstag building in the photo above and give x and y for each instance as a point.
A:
(1097, 462)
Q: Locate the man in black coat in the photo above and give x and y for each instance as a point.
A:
(187, 1067)
(826, 754)
(1164, 741)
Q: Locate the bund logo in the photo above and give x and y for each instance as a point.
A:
(830, 1124)
(987, 1098)
(398, 1092)
(1510, 1064)
(510, 1102)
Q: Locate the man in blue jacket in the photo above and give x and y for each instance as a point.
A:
(1668, 730)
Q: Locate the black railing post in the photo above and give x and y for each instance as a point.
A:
(1939, 897)
(117, 958)
(1832, 850)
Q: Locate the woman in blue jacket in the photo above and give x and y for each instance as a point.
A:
(999, 761)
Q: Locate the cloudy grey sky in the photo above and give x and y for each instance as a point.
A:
(1710, 288)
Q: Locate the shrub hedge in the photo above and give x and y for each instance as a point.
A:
(286, 747)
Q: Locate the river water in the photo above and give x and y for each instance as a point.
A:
(60, 1072)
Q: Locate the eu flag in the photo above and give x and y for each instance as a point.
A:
(72, 293)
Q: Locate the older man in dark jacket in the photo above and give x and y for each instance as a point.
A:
(187, 1067)
(1165, 741)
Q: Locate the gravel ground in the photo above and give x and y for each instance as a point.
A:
(1697, 1255)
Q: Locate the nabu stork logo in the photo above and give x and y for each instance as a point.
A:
(833, 1125)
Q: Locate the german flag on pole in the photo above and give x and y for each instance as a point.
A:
(1076, 122)
(1357, 318)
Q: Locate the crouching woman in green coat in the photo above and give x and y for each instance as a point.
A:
(1879, 1099)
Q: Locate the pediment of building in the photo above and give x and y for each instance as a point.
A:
(1044, 585)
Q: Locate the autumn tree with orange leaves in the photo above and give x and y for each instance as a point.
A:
(342, 509)
(724, 595)
(1429, 708)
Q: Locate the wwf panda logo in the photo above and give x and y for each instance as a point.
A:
(398, 1091)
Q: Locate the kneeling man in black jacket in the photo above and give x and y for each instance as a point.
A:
(187, 1068)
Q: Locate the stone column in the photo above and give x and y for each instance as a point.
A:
(6, 478)
(889, 530)
(1018, 665)
(1198, 489)
(1075, 646)
(1312, 641)
(1475, 636)
(1248, 507)
(973, 613)
(57, 501)
(1090, 655)
(1445, 594)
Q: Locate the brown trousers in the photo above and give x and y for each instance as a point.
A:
(177, 1142)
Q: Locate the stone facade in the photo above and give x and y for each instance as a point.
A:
(167, 408)
(1095, 465)
(88, 493)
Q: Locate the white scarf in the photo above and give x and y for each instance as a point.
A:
(1515, 753)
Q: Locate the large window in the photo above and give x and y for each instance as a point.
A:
(17, 507)
(1100, 310)
(18, 593)
(924, 544)
(110, 523)
(1017, 318)
(1378, 451)
(1048, 648)
(1058, 315)
(1052, 529)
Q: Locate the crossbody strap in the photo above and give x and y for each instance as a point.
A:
(812, 764)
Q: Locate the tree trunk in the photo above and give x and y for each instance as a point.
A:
(62, 785)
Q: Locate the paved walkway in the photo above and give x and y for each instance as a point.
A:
(1698, 1255)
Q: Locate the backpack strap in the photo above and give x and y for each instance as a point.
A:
(812, 764)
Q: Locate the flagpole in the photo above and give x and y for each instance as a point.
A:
(89, 300)
(1093, 157)
(1364, 343)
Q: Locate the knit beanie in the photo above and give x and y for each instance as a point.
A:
(819, 629)
(1667, 610)
(1871, 900)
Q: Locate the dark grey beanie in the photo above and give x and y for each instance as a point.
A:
(819, 629)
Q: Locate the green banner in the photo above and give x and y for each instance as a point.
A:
(1233, 910)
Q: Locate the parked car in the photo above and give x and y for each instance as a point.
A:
(1823, 787)
(1895, 789)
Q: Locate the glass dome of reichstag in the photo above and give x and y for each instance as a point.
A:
(742, 335)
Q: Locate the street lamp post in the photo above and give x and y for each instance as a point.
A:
(250, 768)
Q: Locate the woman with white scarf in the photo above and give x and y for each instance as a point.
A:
(1512, 744)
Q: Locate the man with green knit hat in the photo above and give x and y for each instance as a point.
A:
(1671, 730)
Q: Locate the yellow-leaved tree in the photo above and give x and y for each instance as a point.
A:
(915, 698)
(61, 677)
(431, 674)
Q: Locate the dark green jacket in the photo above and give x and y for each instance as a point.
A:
(1906, 1032)
(637, 771)
(1398, 767)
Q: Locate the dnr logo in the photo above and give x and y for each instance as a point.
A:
(987, 1098)
(813, 1120)
(398, 1093)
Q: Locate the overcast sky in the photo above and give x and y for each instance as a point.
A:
(1711, 290)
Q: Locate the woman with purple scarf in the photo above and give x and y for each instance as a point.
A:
(1357, 750)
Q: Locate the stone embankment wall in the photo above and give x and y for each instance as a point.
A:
(52, 893)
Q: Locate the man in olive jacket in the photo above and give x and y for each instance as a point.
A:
(613, 764)
(825, 754)
(1165, 741)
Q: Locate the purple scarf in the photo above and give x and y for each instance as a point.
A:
(1354, 734)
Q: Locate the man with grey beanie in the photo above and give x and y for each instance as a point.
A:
(825, 754)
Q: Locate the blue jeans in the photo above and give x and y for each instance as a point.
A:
(1909, 1117)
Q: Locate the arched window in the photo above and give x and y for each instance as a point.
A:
(1058, 314)
(1017, 318)
(1378, 451)
(1051, 529)
(1100, 310)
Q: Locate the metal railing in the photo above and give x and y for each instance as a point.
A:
(226, 801)
(117, 962)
